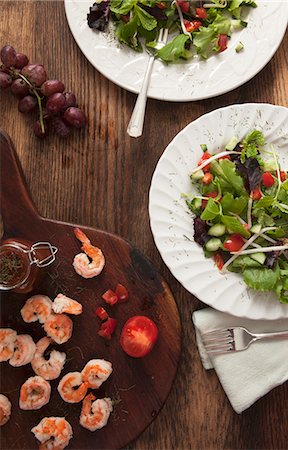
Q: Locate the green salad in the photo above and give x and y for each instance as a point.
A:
(240, 212)
(196, 27)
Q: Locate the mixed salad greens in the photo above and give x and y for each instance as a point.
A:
(241, 212)
(198, 27)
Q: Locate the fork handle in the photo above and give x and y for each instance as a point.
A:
(277, 335)
(135, 126)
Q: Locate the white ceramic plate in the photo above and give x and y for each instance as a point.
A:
(194, 80)
(172, 224)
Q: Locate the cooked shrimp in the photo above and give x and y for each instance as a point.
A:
(38, 307)
(72, 388)
(53, 433)
(49, 369)
(95, 414)
(96, 372)
(7, 340)
(59, 327)
(34, 393)
(24, 349)
(63, 304)
(81, 263)
(5, 409)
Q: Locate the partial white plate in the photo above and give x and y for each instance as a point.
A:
(194, 80)
(172, 224)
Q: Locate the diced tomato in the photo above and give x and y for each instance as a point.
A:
(192, 25)
(208, 178)
(267, 179)
(256, 194)
(107, 328)
(225, 157)
(210, 194)
(138, 336)
(283, 175)
(234, 242)
(222, 42)
(110, 297)
(201, 13)
(184, 6)
(121, 293)
(204, 158)
(101, 313)
(218, 261)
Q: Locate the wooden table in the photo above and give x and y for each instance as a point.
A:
(101, 178)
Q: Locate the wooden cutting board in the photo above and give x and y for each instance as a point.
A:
(138, 386)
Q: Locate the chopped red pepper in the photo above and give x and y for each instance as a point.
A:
(201, 13)
(192, 25)
(283, 175)
(208, 178)
(121, 293)
(267, 179)
(184, 6)
(222, 42)
(204, 158)
(107, 328)
(256, 194)
(218, 261)
(101, 313)
(110, 297)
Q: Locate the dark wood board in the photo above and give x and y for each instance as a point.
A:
(139, 386)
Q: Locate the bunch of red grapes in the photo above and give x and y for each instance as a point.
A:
(57, 109)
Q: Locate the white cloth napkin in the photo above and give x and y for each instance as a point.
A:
(247, 375)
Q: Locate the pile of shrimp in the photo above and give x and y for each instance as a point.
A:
(73, 388)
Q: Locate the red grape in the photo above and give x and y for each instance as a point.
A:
(55, 102)
(38, 131)
(27, 104)
(8, 55)
(19, 88)
(51, 87)
(5, 80)
(70, 100)
(21, 61)
(60, 126)
(75, 117)
(35, 73)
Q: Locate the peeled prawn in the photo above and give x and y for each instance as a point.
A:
(63, 304)
(53, 433)
(95, 414)
(95, 372)
(38, 307)
(7, 340)
(24, 349)
(5, 409)
(49, 369)
(59, 327)
(72, 388)
(34, 393)
(81, 263)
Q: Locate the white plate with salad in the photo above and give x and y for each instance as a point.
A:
(218, 209)
(255, 34)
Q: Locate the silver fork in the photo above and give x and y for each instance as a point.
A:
(235, 339)
(135, 126)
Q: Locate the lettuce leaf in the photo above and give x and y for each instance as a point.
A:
(261, 279)
(235, 226)
(175, 49)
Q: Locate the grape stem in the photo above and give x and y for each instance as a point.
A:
(33, 89)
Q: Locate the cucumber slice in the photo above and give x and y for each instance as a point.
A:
(256, 228)
(197, 175)
(232, 143)
(213, 244)
(217, 230)
(197, 203)
(259, 257)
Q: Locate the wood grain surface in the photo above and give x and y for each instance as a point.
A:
(100, 177)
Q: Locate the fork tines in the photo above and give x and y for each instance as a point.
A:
(218, 341)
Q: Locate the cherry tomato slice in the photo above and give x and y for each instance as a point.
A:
(201, 13)
(121, 293)
(234, 242)
(110, 297)
(107, 328)
(138, 336)
(218, 261)
(222, 42)
(192, 25)
(267, 179)
(256, 194)
(283, 175)
(184, 6)
(101, 313)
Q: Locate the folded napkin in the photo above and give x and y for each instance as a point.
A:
(247, 375)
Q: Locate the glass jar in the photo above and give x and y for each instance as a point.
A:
(22, 263)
